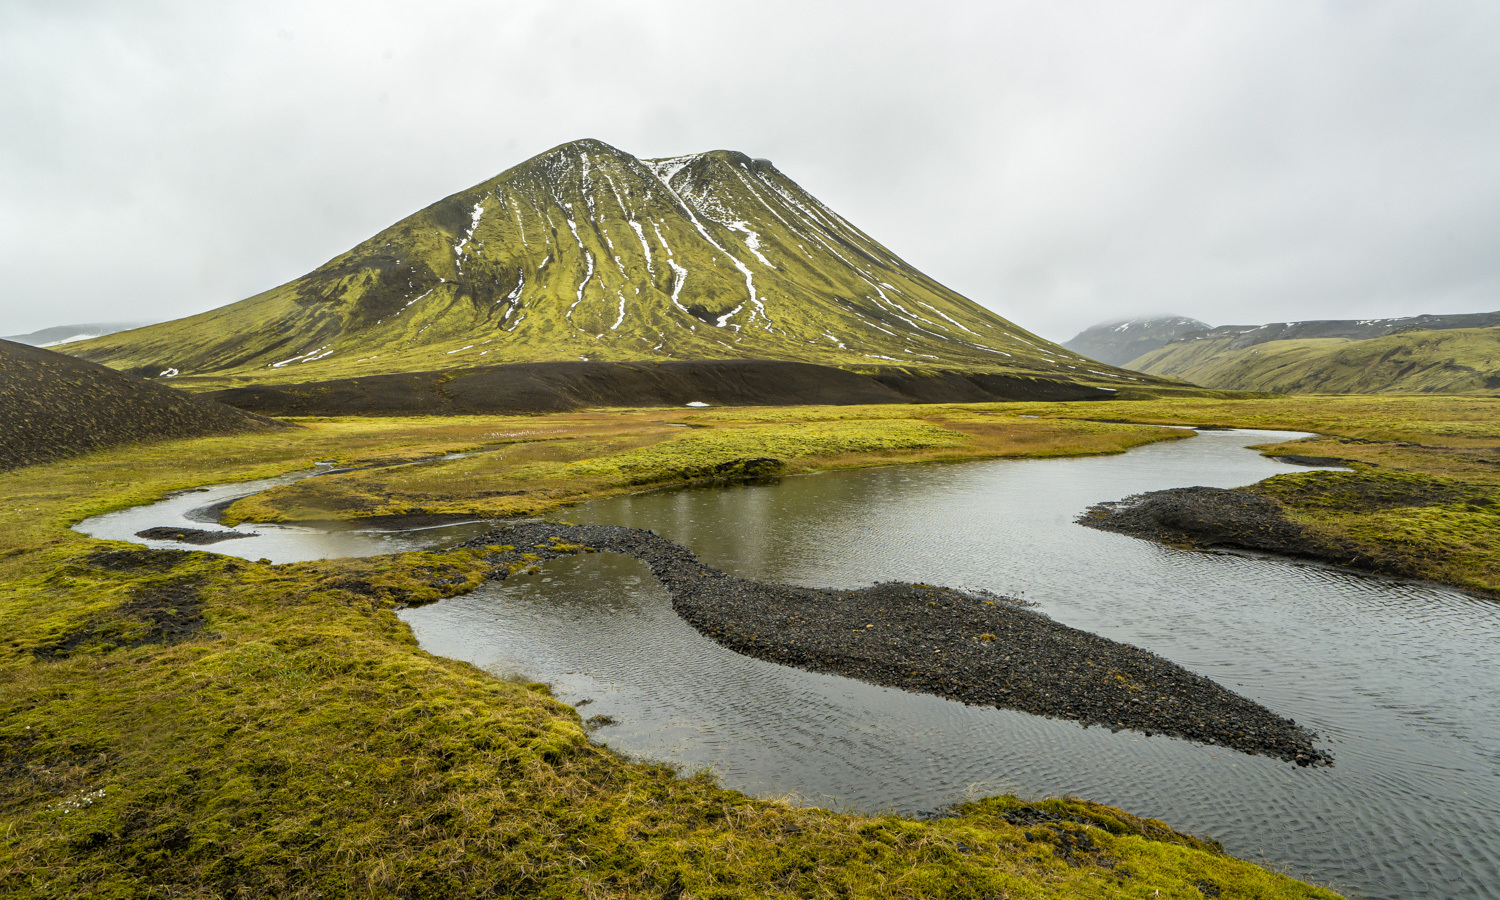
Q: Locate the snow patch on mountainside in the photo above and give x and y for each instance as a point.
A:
(458, 248)
(640, 233)
(693, 218)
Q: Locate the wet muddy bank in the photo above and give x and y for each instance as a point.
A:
(975, 648)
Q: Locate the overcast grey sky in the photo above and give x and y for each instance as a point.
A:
(1060, 162)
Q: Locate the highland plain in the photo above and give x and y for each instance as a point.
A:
(588, 324)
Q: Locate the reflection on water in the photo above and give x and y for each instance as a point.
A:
(1397, 678)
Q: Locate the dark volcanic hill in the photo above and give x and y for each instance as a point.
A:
(53, 406)
(1117, 343)
(588, 253)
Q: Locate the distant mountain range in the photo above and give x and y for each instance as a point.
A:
(588, 253)
(1117, 343)
(1239, 336)
(1416, 354)
(67, 334)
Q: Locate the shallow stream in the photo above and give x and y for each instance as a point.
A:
(199, 510)
(1398, 679)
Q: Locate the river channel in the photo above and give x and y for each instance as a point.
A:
(1398, 679)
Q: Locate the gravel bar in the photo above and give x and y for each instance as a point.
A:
(195, 536)
(1203, 517)
(978, 649)
(1207, 518)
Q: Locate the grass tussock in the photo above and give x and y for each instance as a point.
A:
(186, 725)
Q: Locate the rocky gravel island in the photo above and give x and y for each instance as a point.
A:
(975, 648)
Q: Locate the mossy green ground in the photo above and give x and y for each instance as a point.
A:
(1432, 527)
(289, 738)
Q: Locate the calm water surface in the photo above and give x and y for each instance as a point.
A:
(199, 509)
(1398, 679)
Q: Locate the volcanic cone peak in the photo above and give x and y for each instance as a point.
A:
(586, 251)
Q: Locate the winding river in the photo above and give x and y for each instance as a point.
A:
(1397, 678)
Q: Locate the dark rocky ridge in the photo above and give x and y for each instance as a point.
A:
(48, 337)
(556, 386)
(984, 650)
(1117, 343)
(1237, 337)
(54, 406)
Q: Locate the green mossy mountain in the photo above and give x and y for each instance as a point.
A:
(1449, 361)
(586, 252)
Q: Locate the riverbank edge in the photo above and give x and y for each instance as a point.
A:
(1243, 520)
